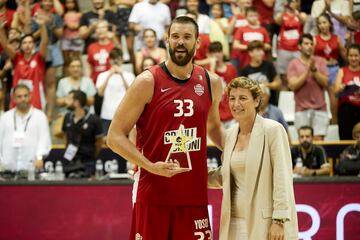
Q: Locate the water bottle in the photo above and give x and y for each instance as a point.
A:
(31, 171)
(299, 162)
(98, 169)
(50, 169)
(115, 166)
(59, 171)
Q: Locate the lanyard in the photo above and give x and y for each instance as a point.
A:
(26, 124)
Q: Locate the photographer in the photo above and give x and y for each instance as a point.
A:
(112, 85)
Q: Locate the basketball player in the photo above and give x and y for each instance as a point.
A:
(173, 104)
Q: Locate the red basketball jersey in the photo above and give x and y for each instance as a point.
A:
(174, 103)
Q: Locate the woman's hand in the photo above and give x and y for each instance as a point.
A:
(276, 232)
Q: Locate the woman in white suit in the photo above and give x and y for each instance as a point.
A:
(256, 173)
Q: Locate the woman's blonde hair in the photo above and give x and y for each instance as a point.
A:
(246, 83)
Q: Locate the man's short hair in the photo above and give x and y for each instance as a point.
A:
(306, 127)
(25, 36)
(80, 96)
(185, 20)
(255, 45)
(116, 53)
(215, 47)
(21, 86)
(356, 15)
(306, 35)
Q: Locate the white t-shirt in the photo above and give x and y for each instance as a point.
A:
(155, 16)
(114, 91)
(16, 152)
(203, 22)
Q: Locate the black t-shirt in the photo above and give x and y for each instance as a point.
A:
(265, 73)
(313, 160)
(89, 17)
(83, 134)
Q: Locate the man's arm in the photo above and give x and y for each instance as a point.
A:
(296, 82)
(4, 43)
(136, 98)
(214, 128)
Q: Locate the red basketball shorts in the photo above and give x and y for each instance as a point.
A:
(170, 223)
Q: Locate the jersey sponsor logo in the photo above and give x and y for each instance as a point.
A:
(199, 89)
(252, 36)
(193, 145)
(164, 89)
(33, 64)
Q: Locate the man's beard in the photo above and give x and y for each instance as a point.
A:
(182, 61)
(306, 145)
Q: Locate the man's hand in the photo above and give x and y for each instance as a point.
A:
(39, 164)
(167, 169)
(276, 232)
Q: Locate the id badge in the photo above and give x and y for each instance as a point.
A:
(18, 140)
(70, 152)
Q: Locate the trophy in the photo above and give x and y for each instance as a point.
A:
(180, 143)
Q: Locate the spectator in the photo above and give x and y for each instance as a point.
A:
(122, 10)
(88, 22)
(219, 28)
(98, 51)
(262, 71)
(202, 20)
(142, 17)
(150, 49)
(309, 159)
(84, 137)
(268, 110)
(29, 65)
(202, 52)
(147, 63)
(75, 81)
(350, 158)
(308, 78)
(71, 43)
(348, 89)
(54, 58)
(265, 8)
(237, 20)
(329, 46)
(24, 133)
(226, 72)
(291, 23)
(112, 85)
(22, 16)
(244, 35)
(339, 12)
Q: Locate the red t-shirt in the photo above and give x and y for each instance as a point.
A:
(240, 22)
(328, 49)
(310, 95)
(226, 77)
(290, 32)
(350, 78)
(31, 73)
(246, 35)
(98, 58)
(175, 102)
